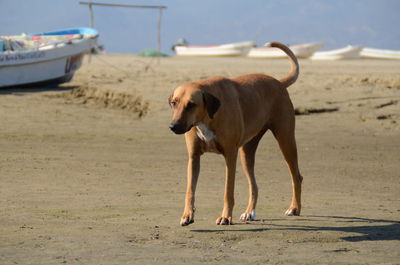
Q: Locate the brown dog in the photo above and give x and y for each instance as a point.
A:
(230, 116)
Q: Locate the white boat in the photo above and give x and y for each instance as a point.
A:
(44, 57)
(229, 49)
(371, 53)
(348, 52)
(301, 51)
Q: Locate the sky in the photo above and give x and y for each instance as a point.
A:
(337, 23)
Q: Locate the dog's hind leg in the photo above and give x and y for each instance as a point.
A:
(247, 157)
(284, 134)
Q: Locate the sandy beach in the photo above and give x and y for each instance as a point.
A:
(91, 174)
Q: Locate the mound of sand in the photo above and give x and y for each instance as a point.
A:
(107, 99)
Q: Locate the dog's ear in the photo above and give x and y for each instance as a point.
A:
(212, 104)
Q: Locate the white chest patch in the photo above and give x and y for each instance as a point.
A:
(204, 133)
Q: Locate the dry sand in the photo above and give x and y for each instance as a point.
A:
(84, 180)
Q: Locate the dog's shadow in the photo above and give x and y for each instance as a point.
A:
(371, 230)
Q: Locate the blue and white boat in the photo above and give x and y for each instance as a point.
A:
(44, 57)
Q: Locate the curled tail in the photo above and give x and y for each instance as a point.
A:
(294, 65)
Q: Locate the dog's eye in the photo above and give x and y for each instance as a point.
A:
(173, 104)
(190, 105)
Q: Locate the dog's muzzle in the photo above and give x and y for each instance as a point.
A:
(179, 128)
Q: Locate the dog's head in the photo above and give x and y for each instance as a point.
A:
(191, 105)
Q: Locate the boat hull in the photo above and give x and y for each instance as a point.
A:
(61, 69)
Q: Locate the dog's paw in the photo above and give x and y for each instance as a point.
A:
(248, 216)
(224, 220)
(187, 219)
(292, 212)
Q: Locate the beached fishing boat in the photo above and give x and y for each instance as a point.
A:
(230, 49)
(348, 52)
(301, 51)
(371, 53)
(44, 57)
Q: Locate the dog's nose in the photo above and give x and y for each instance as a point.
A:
(173, 126)
(177, 128)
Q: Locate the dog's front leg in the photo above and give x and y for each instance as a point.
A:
(229, 201)
(193, 171)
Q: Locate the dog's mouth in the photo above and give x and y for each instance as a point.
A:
(179, 128)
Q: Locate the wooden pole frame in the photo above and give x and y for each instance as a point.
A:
(120, 5)
(160, 8)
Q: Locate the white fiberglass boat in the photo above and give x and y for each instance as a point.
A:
(301, 51)
(380, 54)
(229, 49)
(348, 52)
(44, 57)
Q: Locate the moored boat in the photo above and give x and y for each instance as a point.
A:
(301, 51)
(229, 49)
(348, 52)
(44, 57)
(371, 53)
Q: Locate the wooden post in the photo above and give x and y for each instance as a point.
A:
(91, 16)
(159, 35)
